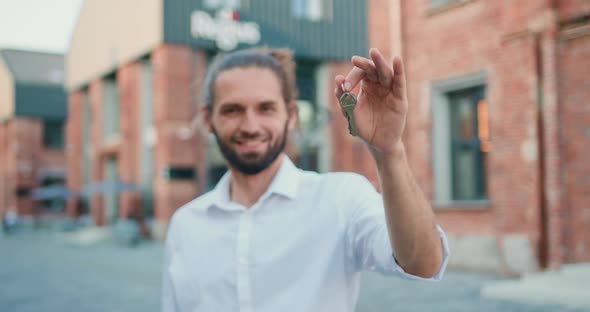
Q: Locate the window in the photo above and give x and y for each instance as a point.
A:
(469, 143)
(148, 137)
(461, 140)
(53, 134)
(306, 82)
(225, 4)
(313, 10)
(110, 108)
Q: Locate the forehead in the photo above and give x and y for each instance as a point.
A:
(242, 84)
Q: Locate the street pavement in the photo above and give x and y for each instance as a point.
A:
(48, 271)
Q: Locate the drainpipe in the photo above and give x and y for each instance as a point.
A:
(542, 241)
(551, 184)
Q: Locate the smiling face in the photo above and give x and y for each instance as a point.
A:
(250, 118)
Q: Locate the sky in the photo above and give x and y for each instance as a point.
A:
(38, 25)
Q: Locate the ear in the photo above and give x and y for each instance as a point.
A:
(293, 114)
(206, 118)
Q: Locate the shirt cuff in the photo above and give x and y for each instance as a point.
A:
(436, 277)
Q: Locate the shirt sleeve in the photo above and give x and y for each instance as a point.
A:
(168, 295)
(367, 235)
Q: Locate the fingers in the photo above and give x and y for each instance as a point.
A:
(339, 80)
(355, 75)
(398, 66)
(368, 66)
(376, 69)
(384, 71)
(399, 80)
(338, 91)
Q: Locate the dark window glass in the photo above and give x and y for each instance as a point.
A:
(180, 173)
(470, 143)
(53, 134)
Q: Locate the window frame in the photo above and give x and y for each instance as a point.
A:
(441, 139)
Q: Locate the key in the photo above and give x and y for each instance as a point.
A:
(348, 102)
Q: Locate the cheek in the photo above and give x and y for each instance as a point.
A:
(225, 126)
(278, 130)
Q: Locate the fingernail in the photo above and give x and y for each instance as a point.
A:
(347, 86)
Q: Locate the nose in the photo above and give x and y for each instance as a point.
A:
(250, 122)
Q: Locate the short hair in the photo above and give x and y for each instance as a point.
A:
(279, 61)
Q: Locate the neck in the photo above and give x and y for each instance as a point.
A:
(246, 190)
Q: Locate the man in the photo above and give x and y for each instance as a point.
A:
(271, 237)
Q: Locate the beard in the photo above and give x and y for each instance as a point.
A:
(251, 163)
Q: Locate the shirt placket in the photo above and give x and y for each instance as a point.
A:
(243, 278)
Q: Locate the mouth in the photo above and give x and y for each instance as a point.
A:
(249, 146)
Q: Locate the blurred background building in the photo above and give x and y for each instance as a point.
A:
(497, 134)
(32, 114)
(134, 86)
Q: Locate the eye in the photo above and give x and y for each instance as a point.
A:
(230, 110)
(267, 107)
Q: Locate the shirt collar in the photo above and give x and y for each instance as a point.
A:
(285, 183)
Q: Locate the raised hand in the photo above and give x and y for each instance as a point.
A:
(382, 105)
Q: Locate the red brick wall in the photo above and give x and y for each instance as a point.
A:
(519, 48)
(73, 148)
(22, 158)
(554, 218)
(129, 86)
(7, 187)
(381, 27)
(437, 47)
(175, 71)
(28, 134)
(574, 118)
(95, 94)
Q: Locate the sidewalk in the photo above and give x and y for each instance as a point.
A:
(87, 270)
(566, 287)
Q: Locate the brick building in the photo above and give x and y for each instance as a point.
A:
(496, 133)
(133, 93)
(32, 114)
(499, 126)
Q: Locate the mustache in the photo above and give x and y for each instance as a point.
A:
(248, 136)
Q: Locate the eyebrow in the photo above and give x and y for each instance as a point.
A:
(267, 102)
(229, 105)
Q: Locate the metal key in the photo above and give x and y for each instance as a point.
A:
(348, 102)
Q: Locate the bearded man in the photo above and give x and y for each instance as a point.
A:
(272, 237)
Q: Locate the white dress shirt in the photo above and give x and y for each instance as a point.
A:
(301, 247)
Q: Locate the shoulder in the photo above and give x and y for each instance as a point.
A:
(188, 212)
